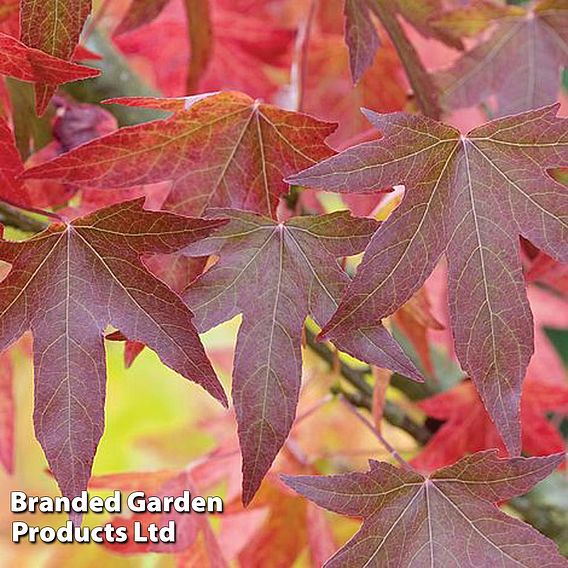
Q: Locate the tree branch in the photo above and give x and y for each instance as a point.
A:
(363, 396)
(13, 217)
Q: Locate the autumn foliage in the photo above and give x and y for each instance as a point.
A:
(351, 215)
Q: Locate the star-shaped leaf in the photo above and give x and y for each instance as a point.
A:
(29, 64)
(520, 63)
(219, 150)
(53, 26)
(67, 284)
(469, 196)
(448, 519)
(276, 275)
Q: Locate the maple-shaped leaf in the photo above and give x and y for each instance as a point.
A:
(223, 150)
(447, 519)
(467, 427)
(276, 275)
(469, 196)
(67, 284)
(520, 63)
(29, 64)
(53, 26)
(361, 35)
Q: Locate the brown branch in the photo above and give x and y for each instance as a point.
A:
(13, 217)
(363, 396)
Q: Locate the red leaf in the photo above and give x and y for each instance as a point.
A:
(470, 197)
(467, 427)
(276, 275)
(361, 37)
(66, 284)
(12, 189)
(73, 125)
(448, 519)
(329, 94)
(28, 64)
(520, 63)
(53, 26)
(219, 150)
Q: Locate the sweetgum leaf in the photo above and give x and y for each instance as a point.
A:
(29, 64)
(470, 197)
(447, 519)
(52, 26)
(219, 150)
(520, 63)
(67, 284)
(276, 275)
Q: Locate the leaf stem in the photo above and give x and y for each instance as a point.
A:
(377, 435)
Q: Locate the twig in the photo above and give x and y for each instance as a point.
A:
(14, 217)
(314, 408)
(378, 435)
(363, 396)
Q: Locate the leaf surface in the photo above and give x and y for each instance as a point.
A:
(470, 197)
(249, 49)
(467, 428)
(29, 64)
(53, 26)
(520, 63)
(448, 519)
(67, 284)
(12, 189)
(276, 275)
(225, 150)
(361, 36)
